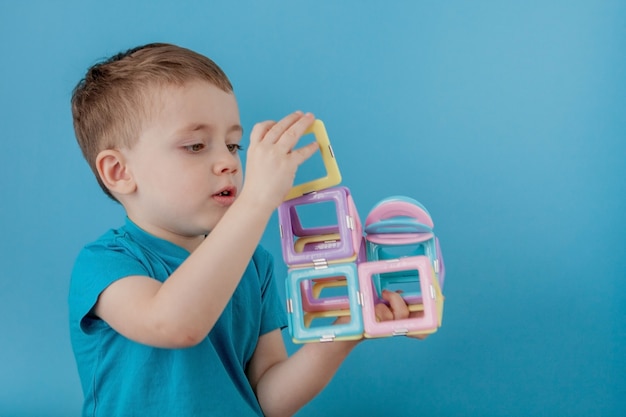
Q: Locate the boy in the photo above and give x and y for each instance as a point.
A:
(176, 312)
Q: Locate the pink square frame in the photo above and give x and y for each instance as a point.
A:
(430, 319)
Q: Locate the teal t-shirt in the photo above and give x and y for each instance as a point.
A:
(121, 377)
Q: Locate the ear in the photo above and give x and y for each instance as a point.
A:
(114, 172)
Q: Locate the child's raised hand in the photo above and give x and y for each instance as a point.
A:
(272, 161)
(396, 310)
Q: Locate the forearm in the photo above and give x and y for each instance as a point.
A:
(194, 296)
(289, 385)
(200, 289)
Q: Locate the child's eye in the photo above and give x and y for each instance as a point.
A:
(234, 148)
(195, 148)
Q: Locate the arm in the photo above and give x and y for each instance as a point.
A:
(284, 385)
(181, 311)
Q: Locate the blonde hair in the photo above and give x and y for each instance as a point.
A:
(111, 103)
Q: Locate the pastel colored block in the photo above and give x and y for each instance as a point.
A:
(312, 299)
(299, 320)
(440, 267)
(397, 249)
(397, 215)
(400, 279)
(399, 238)
(322, 245)
(401, 249)
(333, 176)
(400, 226)
(310, 317)
(431, 305)
(336, 272)
(317, 242)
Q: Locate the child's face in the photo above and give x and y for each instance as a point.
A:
(186, 163)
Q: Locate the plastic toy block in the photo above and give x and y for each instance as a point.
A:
(440, 266)
(333, 176)
(334, 314)
(335, 271)
(322, 245)
(427, 321)
(317, 243)
(312, 300)
(398, 214)
(322, 284)
(323, 242)
(400, 279)
(399, 226)
(389, 251)
(312, 297)
(299, 320)
(398, 249)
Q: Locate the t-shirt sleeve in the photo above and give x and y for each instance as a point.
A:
(272, 309)
(97, 267)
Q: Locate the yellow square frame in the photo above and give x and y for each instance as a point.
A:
(333, 176)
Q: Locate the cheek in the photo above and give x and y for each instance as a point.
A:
(172, 179)
(239, 178)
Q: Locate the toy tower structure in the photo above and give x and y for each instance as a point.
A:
(396, 248)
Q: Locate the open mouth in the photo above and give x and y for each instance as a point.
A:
(226, 192)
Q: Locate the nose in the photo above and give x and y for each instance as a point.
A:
(226, 162)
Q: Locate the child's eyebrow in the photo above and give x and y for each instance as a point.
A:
(195, 127)
(236, 128)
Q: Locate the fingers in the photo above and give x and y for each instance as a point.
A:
(397, 306)
(286, 132)
(396, 310)
(382, 312)
(272, 161)
(289, 128)
(260, 130)
(305, 152)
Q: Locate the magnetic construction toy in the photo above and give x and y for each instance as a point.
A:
(341, 270)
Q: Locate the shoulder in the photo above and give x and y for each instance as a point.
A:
(262, 260)
(262, 264)
(113, 244)
(262, 256)
(110, 256)
(113, 239)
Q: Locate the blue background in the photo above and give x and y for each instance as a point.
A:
(505, 119)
